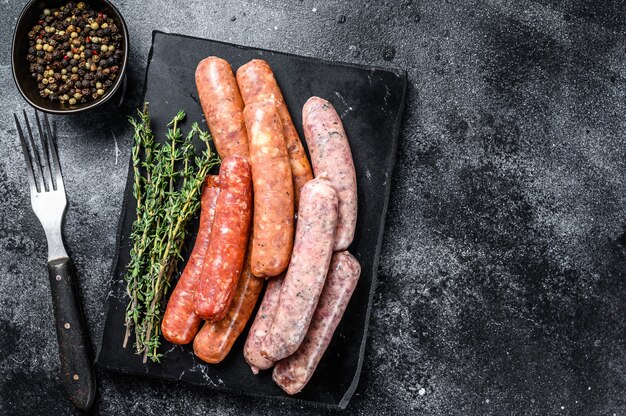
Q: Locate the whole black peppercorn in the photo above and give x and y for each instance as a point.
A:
(32, 50)
(30, 58)
(40, 54)
(73, 62)
(88, 53)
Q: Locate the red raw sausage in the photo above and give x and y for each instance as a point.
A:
(313, 248)
(229, 238)
(292, 373)
(257, 83)
(222, 106)
(261, 326)
(180, 323)
(272, 236)
(215, 339)
(331, 154)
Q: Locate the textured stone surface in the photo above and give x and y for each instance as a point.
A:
(502, 273)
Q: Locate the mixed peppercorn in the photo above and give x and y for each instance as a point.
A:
(74, 53)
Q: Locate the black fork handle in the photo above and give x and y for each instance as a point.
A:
(76, 365)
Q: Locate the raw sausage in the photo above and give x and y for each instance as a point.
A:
(215, 339)
(294, 372)
(272, 236)
(222, 106)
(229, 238)
(261, 325)
(313, 248)
(180, 323)
(257, 83)
(330, 154)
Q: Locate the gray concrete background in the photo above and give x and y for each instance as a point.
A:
(502, 273)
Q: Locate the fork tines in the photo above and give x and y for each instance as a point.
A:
(42, 175)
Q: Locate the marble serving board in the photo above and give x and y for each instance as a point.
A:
(370, 101)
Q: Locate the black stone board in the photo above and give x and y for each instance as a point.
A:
(370, 101)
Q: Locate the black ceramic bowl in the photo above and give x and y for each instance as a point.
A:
(28, 86)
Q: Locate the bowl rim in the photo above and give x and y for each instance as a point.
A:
(121, 79)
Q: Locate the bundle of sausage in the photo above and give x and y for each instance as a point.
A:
(312, 278)
(299, 314)
(223, 278)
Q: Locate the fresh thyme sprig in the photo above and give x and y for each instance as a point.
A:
(143, 141)
(167, 191)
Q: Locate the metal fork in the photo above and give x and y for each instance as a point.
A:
(48, 200)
